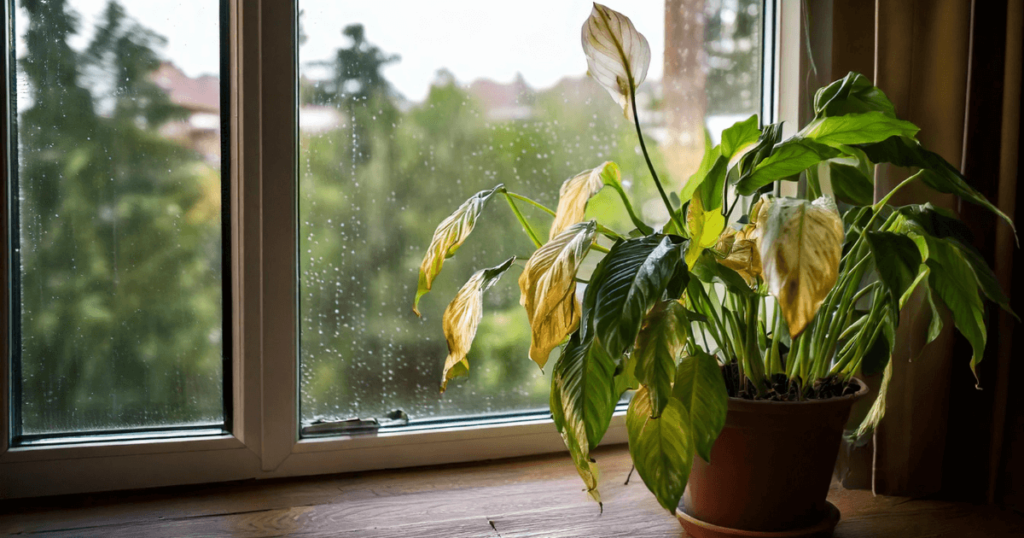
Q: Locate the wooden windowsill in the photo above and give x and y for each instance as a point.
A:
(536, 496)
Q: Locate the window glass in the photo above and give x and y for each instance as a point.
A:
(118, 216)
(408, 109)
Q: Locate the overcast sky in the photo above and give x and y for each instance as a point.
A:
(471, 38)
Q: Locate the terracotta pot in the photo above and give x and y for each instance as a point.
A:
(770, 470)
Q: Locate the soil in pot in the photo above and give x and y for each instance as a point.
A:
(771, 466)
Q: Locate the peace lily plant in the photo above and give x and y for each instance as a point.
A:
(741, 293)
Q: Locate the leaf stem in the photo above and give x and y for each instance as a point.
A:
(599, 248)
(647, 157)
(536, 204)
(522, 220)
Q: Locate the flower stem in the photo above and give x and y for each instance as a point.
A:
(650, 165)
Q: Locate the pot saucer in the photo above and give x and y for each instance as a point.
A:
(696, 528)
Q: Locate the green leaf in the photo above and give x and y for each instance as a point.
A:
(770, 137)
(935, 221)
(712, 154)
(935, 325)
(742, 134)
(700, 387)
(625, 376)
(852, 94)
(625, 285)
(661, 448)
(582, 402)
(879, 352)
(712, 188)
(897, 260)
(850, 185)
(658, 345)
(786, 160)
(985, 277)
(953, 280)
(447, 239)
(941, 176)
(865, 128)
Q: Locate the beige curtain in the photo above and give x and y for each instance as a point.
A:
(953, 67)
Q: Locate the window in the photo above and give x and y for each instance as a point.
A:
(197, 270)
(397, 127)
(117, 224)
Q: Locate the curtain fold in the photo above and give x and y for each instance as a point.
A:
(953, 67)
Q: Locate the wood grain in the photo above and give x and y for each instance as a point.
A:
(527, 497)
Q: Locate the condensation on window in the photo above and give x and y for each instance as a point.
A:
(118, 231)
(408, 109)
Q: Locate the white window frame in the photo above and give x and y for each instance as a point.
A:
(265, 439)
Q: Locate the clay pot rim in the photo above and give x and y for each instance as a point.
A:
(770, 406)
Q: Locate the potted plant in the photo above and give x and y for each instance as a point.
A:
(741, 322)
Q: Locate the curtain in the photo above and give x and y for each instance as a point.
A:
(953, 67)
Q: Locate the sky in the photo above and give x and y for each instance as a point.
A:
(471, 38)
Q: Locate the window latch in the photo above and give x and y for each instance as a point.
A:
(356, 426)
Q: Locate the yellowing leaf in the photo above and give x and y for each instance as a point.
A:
(448, 237)
(617, 54)
(705, 228)
(462, 317)
(801, 245)
(740, 253)
(577, 190)
(548, 286)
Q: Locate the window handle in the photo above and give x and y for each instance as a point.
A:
(356, 426)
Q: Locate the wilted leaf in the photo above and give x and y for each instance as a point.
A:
(739, 252)
(462, 317)
(897, 260)
(624, 286)
(940, 175)
(583, 399)
(800, 248)
(617, 54)
(952, 278)
(658, 345)
(577, 190)
(661, 448)
(700, 387)
(448, 237)
(548, 288)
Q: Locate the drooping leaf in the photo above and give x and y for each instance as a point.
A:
(661, 448)
(548, 288)
(897, 260)
(448, 237)
(850, 185)
(583, 399)
(658, 345)
(935, 324)
(852, 94)
(941, 176)
(800, 249)
(786, 160)
(952, 278)
(461, 318)
(700, 387)
(863, 128)
(705, 227)
(740, 137)
(577, 190)
(934, 221)
(624, 286)
(617, 54)
(875, 413)
(985, 277)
